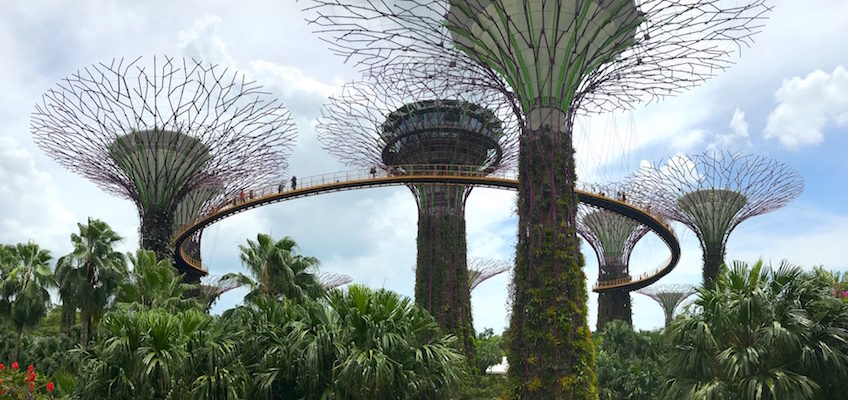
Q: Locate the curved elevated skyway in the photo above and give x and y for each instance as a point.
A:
(403, 175)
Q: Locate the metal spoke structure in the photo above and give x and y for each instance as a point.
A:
(669, 296)
(481, 269)
(712, 193)
(553, 59)
(332, 280)
(169, 134)
(211, 288)
(389, 125)
(613, 237)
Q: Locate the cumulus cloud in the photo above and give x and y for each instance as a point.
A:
(202, 41)
(807, 105)
(32, 208)
(737, 137)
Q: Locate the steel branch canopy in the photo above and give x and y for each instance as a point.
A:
(166, 133)
(480, 269)
(712, 193)
(590, 56)
(668, 296)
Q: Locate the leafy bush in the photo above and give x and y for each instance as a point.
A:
(762, 334)
(629, 363)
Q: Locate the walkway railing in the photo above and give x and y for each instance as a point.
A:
(418, 174)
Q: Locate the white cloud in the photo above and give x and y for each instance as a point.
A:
(736, 138)
(32, 208)
(203, 42)
(807, 106)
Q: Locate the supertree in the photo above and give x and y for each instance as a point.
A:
(668, 296)
(211, 288)
(332, 280)
(613, 237)
(399, 127)
(156, 131)
(554, 59)
(481, 269)
(712, 193)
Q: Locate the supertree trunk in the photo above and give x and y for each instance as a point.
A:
(613, 304)
(157, 227)
(550, 351)
(713, 260)
(441, 274)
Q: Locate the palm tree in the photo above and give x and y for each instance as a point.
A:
(154, 283)
(26, 276)
(277, 270)
(69, 280)
(761, 334)
(395, 349)
(101, 267)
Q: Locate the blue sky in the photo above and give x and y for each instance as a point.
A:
(787, 98)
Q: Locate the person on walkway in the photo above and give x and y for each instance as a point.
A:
(373, 171)
(241, 196)
(281, 187)
(294, 182)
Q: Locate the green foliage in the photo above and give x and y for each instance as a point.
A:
(361, 344)
(489, 387)
(549, 347)
(277, 270)
(489, 350)
(761, 334)
(92, 272)
(19, 382)
(629, 363)
(441, 274)
(154, 283)
(156, 354)
(25, 276)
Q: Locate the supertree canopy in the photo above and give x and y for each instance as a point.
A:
(554, 59)
(481, 269)
(668, 297)
(332, 280)
(712, 193)
(166, 133)
(401, 128)
(613, 237)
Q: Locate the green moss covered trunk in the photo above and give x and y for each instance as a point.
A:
(613, 304)
(441, 274)
(550, 350)
(713, 259)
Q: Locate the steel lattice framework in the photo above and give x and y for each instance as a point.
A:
(332, 280)
(481, 269)
(166, 133)
(712, 193)
(211, 288)
(553, 59)
(389, 125)
(591, 56)
(668, 296)
(613, 237)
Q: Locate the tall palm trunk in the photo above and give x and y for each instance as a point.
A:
(550, 351)
(87, 308)
(69, 316)
(20, 332)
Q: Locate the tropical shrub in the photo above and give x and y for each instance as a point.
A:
(761, 334)
(17, 382)
(361, 344)
(630, 364)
